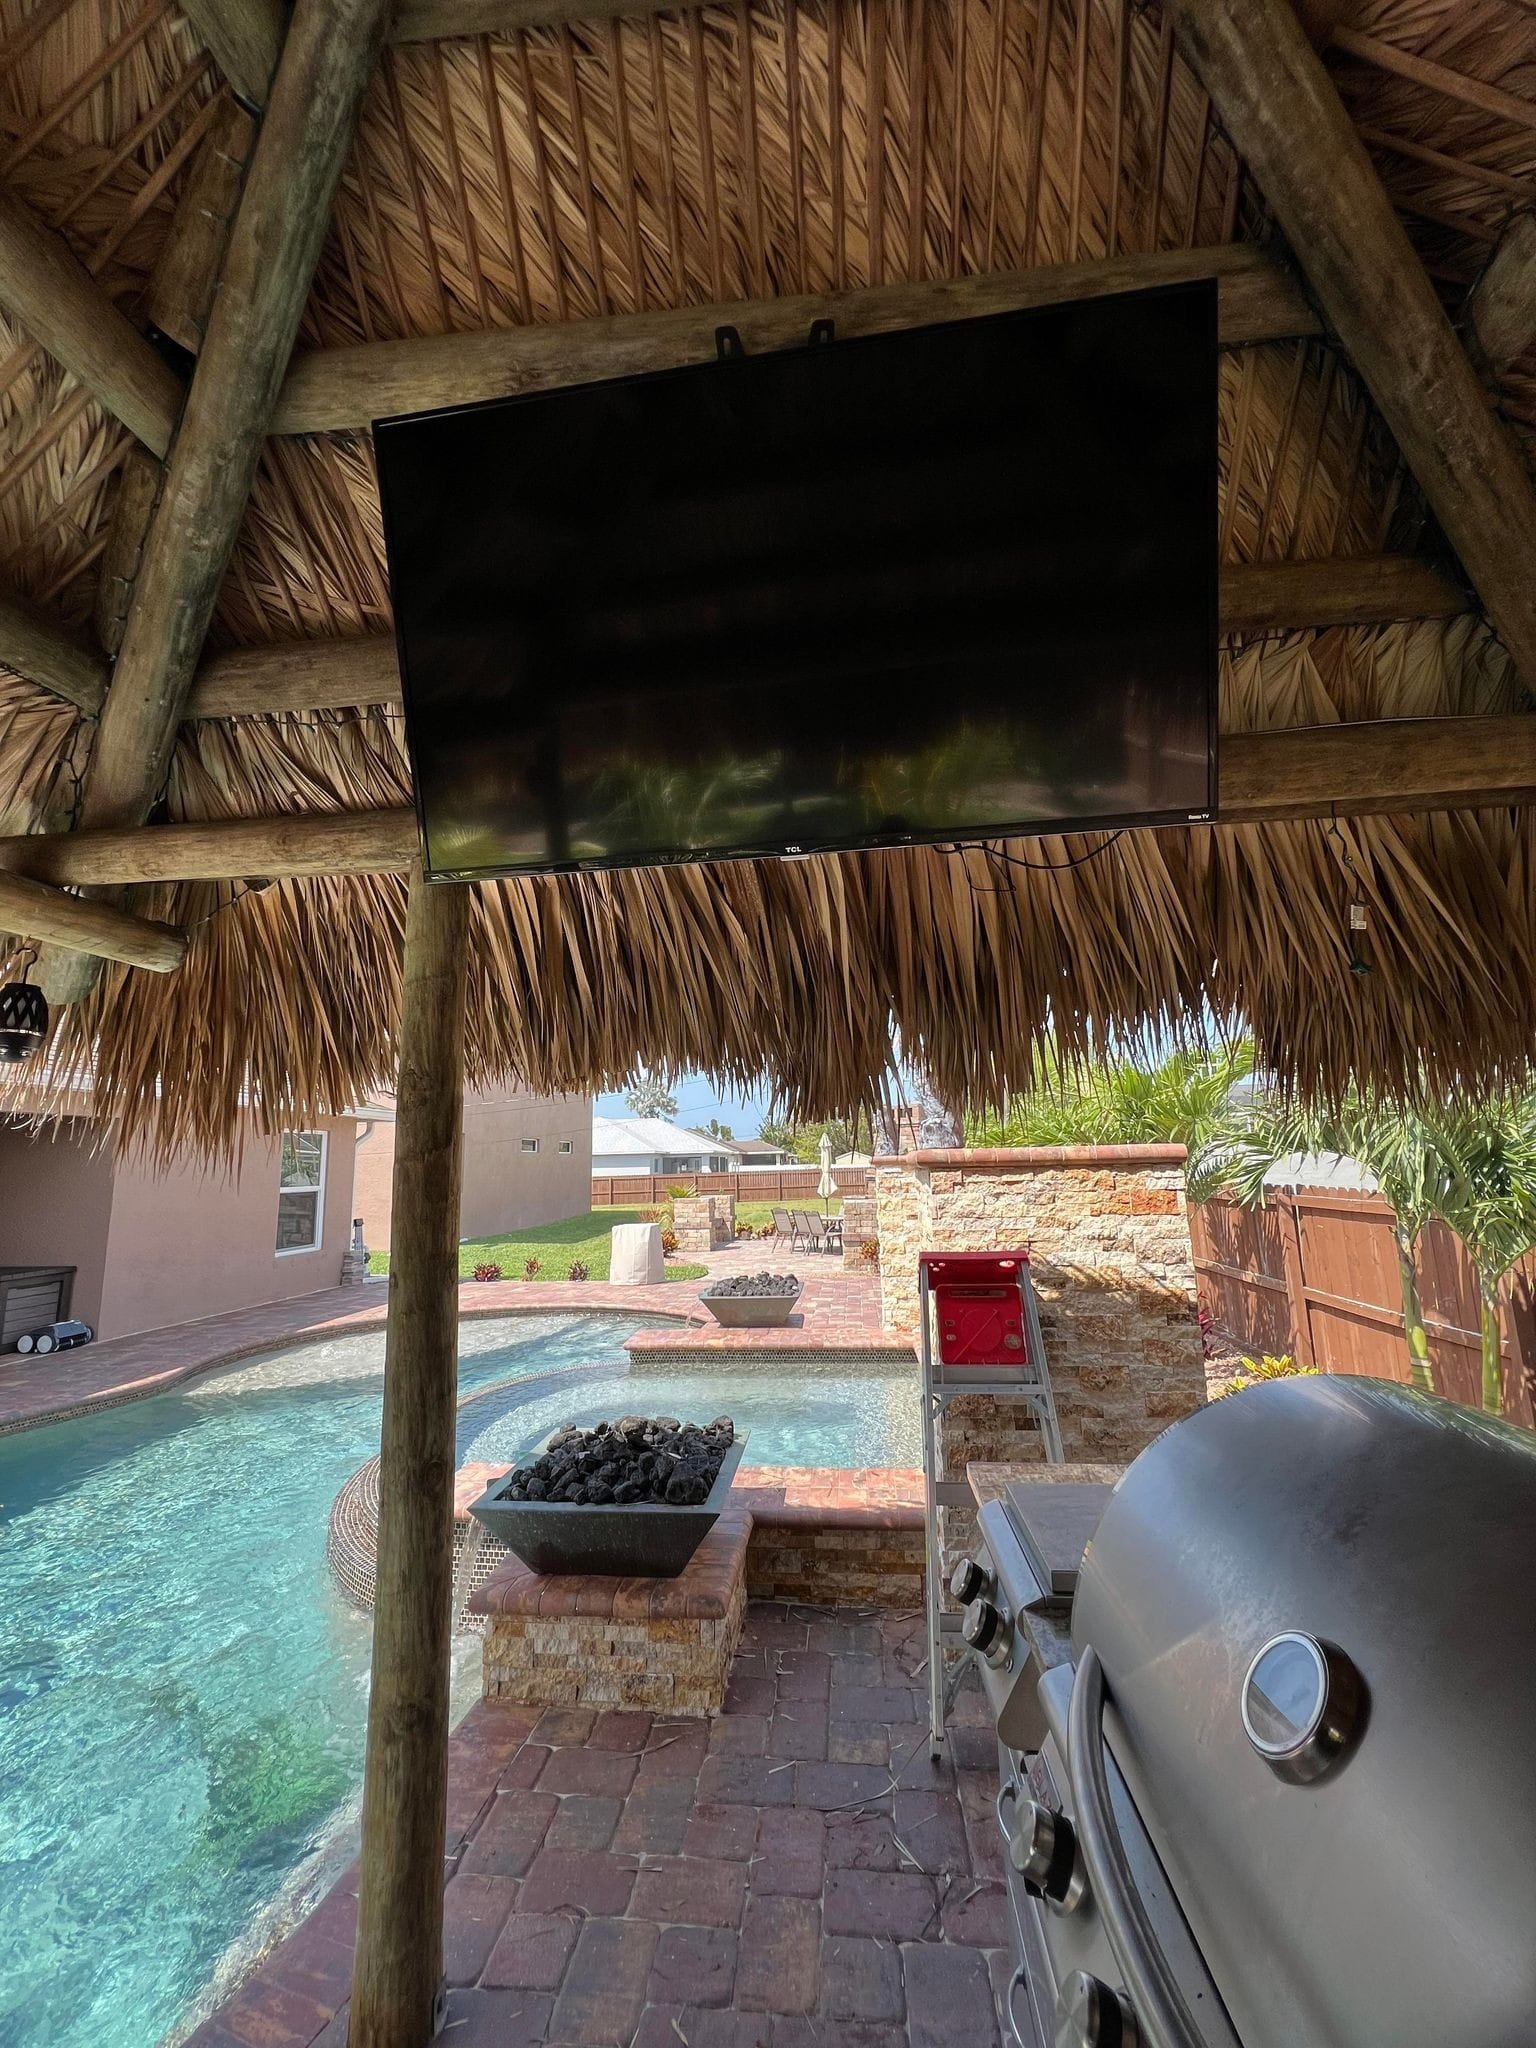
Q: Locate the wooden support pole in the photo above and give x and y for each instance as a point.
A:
(61, 305)
(398, 1968)
(339, 389)
(33, 911)
(1287, 122)
(243, 37)
(1373, 769)
(49, 655)
(297, 676)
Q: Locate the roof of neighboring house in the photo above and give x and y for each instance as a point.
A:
(1319, 1170)
(641, 1137)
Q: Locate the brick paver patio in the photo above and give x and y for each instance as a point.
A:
(794, 1874)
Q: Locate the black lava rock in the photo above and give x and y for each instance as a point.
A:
(755, 1284)
(661, 1460)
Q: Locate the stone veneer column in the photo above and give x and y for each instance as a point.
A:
(1114, 1272)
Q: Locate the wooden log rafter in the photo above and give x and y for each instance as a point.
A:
(49, 654)
(1287, 122)
(244, 38)
(336, 390)
(328, 57)
(50, 291)
(180, 292)
(32, 910)
(1377, 768)
(1501, 308)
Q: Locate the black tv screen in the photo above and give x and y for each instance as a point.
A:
(947, 584)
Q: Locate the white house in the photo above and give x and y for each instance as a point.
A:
(646, 1144)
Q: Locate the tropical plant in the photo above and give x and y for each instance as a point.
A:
(1490, 1203)
(1266, 1368)
(1400, 1148)
(580, 1270)
(488, 1270)
(650, 1096)
(1184, 1100)
(668, 1243)
(532, 1268)
(679, 1191)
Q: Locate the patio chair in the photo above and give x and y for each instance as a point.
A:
(784, 1227)
(812, 1229)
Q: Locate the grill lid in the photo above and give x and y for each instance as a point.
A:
(1351, 1828)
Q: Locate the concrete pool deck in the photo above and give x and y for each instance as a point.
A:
(837, 1311)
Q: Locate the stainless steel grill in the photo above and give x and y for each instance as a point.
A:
(1276, 1788)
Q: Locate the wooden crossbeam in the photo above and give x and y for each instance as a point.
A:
(34, 911)
(1287, 122)
(344, 389)
(48, 654)
(1364, 770)
(50, 291)
(296, 676)
(243, 37)
(1501, 309)
(180, 292)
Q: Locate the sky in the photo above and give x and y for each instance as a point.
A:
(698, 1099)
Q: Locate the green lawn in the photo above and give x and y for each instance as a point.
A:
(554, 1245)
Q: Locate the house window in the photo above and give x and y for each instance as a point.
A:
(527, 1144)
(301, 1192)
(566, 1146)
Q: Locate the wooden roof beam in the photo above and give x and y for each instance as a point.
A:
(327, 61)
(33, 911)
(1363, 770)
(1501, 310)
(298, 676)
(339, 389)
(50, 291)
(244, 38)
(48, 654)
(1286, 120)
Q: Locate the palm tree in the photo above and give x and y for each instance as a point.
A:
(1184, 1100)
(1490, 1203)
(1402, 1150)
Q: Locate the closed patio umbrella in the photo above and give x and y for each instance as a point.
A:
(826, 1187)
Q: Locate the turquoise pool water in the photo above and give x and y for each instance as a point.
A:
(183, 1690)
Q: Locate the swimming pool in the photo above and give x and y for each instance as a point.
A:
(183, 1688)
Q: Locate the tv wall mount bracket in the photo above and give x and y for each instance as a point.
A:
(729, 346)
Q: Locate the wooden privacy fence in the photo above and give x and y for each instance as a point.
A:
(1314, 1274)
(758, 1184)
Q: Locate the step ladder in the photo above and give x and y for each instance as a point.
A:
(979, 1333)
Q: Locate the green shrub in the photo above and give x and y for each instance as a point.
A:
(1268, 1367)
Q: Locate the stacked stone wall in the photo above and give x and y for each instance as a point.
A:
(704, 1223)
(1113, 1268)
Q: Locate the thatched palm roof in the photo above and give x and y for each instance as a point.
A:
(766, 147)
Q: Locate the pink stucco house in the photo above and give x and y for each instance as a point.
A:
(153, 1246)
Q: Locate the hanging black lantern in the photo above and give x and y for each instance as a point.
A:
(23, 1021)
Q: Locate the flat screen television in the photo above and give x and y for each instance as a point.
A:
(952, 583)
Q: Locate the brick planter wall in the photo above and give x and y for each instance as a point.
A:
(704, 1222)
(860, 1224)
(1114, 1271)
(660, 1644)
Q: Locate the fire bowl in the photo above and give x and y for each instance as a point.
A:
(751, 1311)
(635, 1539)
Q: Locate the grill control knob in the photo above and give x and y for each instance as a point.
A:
(1043, 1850)
(983, 1629)
(1089, 2014)
(967, 1581)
